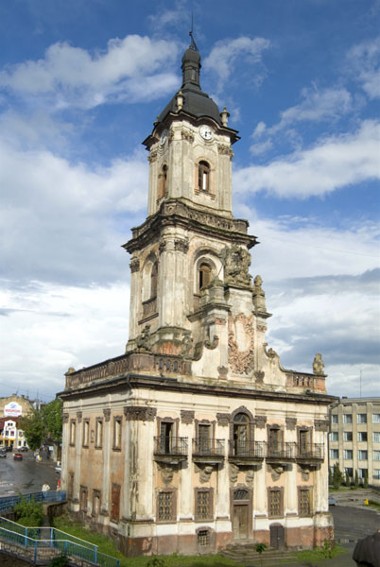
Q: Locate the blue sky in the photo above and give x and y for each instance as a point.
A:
(81, 83)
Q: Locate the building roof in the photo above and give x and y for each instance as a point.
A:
(196, 102)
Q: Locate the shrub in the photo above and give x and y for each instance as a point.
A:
(29, 512)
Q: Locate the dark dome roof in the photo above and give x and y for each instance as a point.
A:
(195, 101)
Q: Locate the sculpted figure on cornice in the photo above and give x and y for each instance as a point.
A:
(318, 365)
(236, 265)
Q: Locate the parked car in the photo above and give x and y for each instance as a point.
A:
(3, 454)
(332, 501)
(17, 457)
(23, 449)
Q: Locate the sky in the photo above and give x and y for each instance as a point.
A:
(81, 84)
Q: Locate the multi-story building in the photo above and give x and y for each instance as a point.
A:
(196, 436)
(354, 439)
(11, 409)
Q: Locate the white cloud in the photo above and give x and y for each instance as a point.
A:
(52, 327)
(316, 105)
(334, 162)
(224, 54)
(364, 65)
(71, 76)
(58, 219)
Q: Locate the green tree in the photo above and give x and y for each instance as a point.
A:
(337, 476)
(43, 424)
(356, 479)
(33, 427)
(29, 512)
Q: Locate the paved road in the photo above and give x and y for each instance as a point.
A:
(25, 476)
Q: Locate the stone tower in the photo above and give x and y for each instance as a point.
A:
(196, 436)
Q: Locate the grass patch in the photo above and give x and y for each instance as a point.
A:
(327, 551)
(107, 546)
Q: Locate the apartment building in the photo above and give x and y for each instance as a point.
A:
(354, 440)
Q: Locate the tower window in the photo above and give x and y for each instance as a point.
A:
(162, 182)
(204, 275)
(204, 176)
(153, 281)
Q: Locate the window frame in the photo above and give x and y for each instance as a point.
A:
(117, 433)
(171, 516)
(198, 515)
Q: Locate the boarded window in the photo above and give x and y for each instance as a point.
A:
(115, 502)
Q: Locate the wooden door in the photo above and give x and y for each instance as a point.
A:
(277, 536)
(240, 521)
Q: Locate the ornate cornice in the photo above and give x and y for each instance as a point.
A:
(223, 419)
(187, 416)
(140, 413)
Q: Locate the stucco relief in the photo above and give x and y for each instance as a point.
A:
(240, 334)
(236, 265)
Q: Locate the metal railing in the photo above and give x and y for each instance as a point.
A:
(247, 449)
(208, 447)
(284, 451)
(170, 446)
(9, 502)
(312, 451)
(33, 544)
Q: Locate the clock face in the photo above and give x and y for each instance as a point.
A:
(206, 132)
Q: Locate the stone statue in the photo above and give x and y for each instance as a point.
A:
(236, 265)
(259, 295)
(318, 365)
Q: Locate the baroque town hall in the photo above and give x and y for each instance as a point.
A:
(196, 437)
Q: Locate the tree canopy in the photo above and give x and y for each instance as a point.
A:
(44, 424)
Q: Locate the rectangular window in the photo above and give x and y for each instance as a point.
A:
(99, 433)
(204, 438)
(334, 453)
(376, 455)
(203, 537)
(363, 473)
(362, 436)
(376, 418)
(376, 436)
(334, 436)
(96, 502)
(115, 502)
(348, 471)
(347, 436)
(275, 503)
(166, 506)
(362, 455)
(72, 432)
(348, 454)
(362, 418)
(376, 474)
(347, 418)
(83, 498)
(86, 432)
(334, 419)
(70, 486)
(203, 504)
(117, 433)
(304, 502)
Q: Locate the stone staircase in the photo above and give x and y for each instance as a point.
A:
(246, 555)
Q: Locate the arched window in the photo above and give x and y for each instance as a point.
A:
(162, 182)
(204, 275)
(204, 176)
(241, 434)
(153, 281)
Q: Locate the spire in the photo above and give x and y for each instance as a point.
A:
(191, 65)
